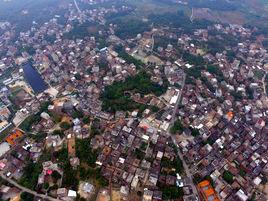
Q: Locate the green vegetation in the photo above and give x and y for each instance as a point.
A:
(58, 132)
(221, 5)
(230, 56)
(29, 50)
(33, 169)
(54, 116)
(29, 121)
(228, 177)
(194, 131)
(139, 154)
(61, 155)
(143, 146)
(189, 80)
(114, 98)
(104, 65)
(171, 192)
(39, 11)
(35, 118)
(26, 196)
(56, 176)
(238, 96)
(93, 174)
(249, 92)
(95, 128)
(46, 186)
(242, 173)
(39, 137)
(163, 41)
(208, 84)
(128, 58)
(50, 38)
(65, 125)
(210, 141)
(266, 83)
(69, 179)
(78, 76)
(80, 30)
(129, 28)
(31, 174)
(177, 127)
(175, 164)
(77, 114)
(85, 153)
(178, 20)
(215, 70)
(86, 120)
(171, 167)
(198, 178)
(88, 157)
(193, 59)
(194, 72)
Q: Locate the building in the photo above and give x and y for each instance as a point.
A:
(207, 192)
(11, 139)
(4, 147)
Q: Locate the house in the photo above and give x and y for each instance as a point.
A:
(11, 139)
(207, 192)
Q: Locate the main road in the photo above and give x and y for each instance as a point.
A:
(173, 119)
(46, 197)
(264, 84)
(76, 5)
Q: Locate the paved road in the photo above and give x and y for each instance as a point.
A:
(26, 189)
(173, 119)
(152, 42)
(192, 15)
(76, 5)
(264, 84)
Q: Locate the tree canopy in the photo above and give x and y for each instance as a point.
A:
(177, 127)
(228, 177)
(114, 98)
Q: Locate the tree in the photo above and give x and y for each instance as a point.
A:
(29, 121)
(194, 131)
(61, 155)
(26, 196)
(129, 28)
(228, 177)
(69, 179)
(209, 178)
(46, 185)
(114, 97)
(177, 127)
(31, 174)
(55, 117)
(58, 132)
(85, 153)
(39, 137)
(55, 175)
(77, 114)
(215, 70)
(171, 192)
(175, 164)
(103, 65)
(65, 125)
(78, 76)
(139, 154)
(86, 120)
